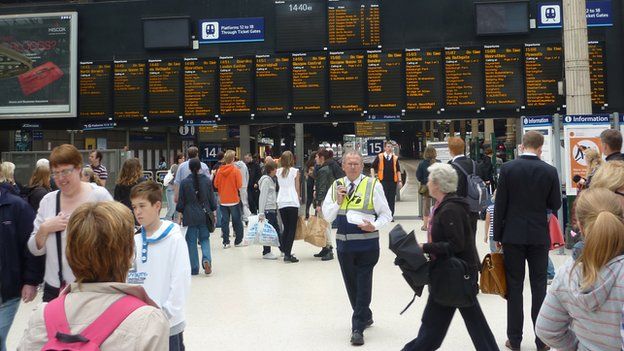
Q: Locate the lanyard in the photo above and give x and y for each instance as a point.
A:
(355, 189)
(147, 241)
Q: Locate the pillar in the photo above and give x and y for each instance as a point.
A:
(244, 140)
(578, 89)
(299, 144)
(488, 129)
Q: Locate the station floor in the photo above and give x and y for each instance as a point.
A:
(248, 303)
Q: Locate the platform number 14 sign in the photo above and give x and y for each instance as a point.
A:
(210, 151)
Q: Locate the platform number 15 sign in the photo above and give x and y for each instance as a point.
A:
(374, 146)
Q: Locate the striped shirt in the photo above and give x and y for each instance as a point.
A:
(100, 170)
(490, 211)
(571, 319)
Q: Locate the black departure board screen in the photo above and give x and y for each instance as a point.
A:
(543, 72)
(95, 90)
(272, 84)
(163, 88)
(385, 80)
(346, 82)
(200, 93)
(300, 25)
(464, 84)
(235, 85)
(504, 86)
(423, 79)
(309, 83)
(129, 89)
(597, 74)
(353, 24)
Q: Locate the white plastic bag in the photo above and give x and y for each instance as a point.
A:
(267, 234)
(252, 236)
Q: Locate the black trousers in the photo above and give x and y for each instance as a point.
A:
(436, 320)
(289, 219)
(357, 273)
(537, 258)
(474, 218)
(390, 188)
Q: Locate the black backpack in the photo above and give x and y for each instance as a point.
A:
(476, 196)
(410, 259)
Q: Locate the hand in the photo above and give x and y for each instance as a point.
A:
(485, 239)
(28, 293)
(57, 223)
(318, 210)
(261, 217)
(255, 186)
(180, 218)
(367, 226)
(499, 245)
(341, 193)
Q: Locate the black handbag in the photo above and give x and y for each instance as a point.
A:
(210, 220)
(452, 283)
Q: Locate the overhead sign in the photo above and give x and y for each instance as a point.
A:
(231, 30)
(587, 119)
(375, 146)
(535, 121)
(98, 126)
(209, 151)
(544, 126)
(598, 14)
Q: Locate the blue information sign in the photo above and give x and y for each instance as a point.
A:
(231, 30)
(534, 121)
(598, 14)
(587, 119)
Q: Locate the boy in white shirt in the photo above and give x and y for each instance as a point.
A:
(161, 263)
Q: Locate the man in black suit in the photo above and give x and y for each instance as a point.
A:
(456, 147)
(527, 188)
(388, 170)
(611, 140)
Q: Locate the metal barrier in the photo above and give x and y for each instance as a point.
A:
(148, 175)
(160, 176)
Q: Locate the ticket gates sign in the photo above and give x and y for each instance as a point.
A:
(581, 133)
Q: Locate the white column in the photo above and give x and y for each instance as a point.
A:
(578, 89)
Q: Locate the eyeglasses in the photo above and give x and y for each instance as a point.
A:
(619, 193)
(64, 173)
(353, 165)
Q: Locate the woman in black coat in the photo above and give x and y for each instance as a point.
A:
(450, 233)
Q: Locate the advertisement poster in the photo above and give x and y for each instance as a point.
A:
(48, 43)
(580, 134)
(544, 126)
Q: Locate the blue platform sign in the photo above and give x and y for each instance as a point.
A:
(231, 30)
(209, 151)
(598, 14)
(587, 119)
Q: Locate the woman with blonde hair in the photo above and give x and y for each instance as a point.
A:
(582, 310)
(7, 178)
(130, 175)
(288, 200)
(89, 176)
(610, 176)
(38, 186)
(422, 174)
(106, 228)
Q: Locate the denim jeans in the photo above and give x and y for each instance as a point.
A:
(550, 270)
(171, 205)
(492, 244)
(193, 234)
(237, 222)
(8, 309)
(176, 342)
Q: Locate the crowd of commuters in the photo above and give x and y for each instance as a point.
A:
(145, 262)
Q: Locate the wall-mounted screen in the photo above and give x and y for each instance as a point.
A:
(493, 18)
(167, 33)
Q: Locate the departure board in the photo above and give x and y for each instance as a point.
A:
(504, 86)
(543, 72)
(354, 24)
(597, 73)
(371, 129)
(309, 82)
(163, 88)
(385, 80)
(346, 82)
(95, 90)
(235, 85)
(463, 82)
(300, 25)
(423, 79)
(200, 93)
(129, 89)
(272, 84)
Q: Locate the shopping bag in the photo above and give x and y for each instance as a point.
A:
(301, 228)
(267, 235)
(254, 229)
(556, 236)
(493, 280)
(316, 233)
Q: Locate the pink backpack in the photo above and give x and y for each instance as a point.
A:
(92, 337)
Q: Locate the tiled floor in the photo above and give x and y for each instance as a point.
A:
(248, 303)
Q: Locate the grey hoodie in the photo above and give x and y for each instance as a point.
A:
(572, 319)
(268, 195)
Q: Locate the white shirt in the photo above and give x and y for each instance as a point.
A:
(384, 215)
(166, 275)
(47, 209)
(287, 194)
(388, 156)
(528, 154)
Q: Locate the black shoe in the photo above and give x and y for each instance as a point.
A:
(290, 259)
(322, 253)
(357, 338)
(511, 347)
(368, 323)
(328, 256)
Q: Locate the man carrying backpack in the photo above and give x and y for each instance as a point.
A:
(470, 186)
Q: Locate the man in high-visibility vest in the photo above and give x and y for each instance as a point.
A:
(360, 207)
(388, 171)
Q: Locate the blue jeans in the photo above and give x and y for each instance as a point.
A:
(219, 216)
(492, 244)
(8, 309)
(550, 271)
(237, 222)
(171, 205)
(176, 342)
(193, 234)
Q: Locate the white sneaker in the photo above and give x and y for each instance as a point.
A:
(226, 246)
(240, 245)
(282, 254)
(269, 256)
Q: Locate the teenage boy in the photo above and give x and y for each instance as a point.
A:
(161, 263)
